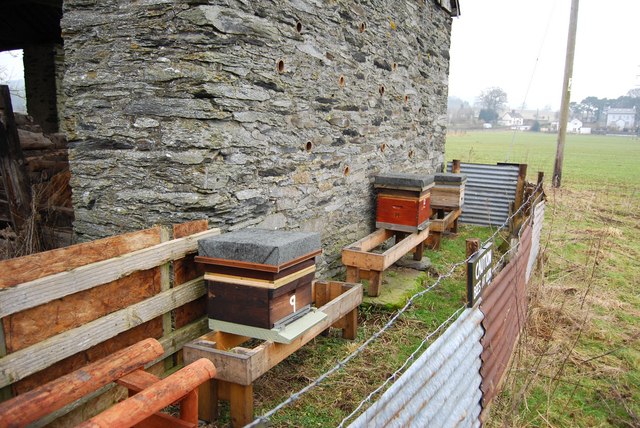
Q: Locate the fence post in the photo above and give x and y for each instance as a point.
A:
(473, 245)
(522, 177)
(166, 284)
(455, 166)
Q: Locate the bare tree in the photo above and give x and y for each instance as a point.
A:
(493, 99)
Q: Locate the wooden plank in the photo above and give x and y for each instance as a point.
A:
(186, 269)
(51, 396)
(137, 380)
(34, 325)
(361, 258)
(403, 247)
(43, 290)
(164, 420)
(244, 368)
(371, 241)
(34, 266)
(257, 266)
(165, 284)
(22, 363)
(260, 283)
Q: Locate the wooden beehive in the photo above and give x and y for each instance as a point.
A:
(403, 201)
(259, 278)
(448, 191)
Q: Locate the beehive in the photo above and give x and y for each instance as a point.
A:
(260, 278)
(403, 201)
(448, 191)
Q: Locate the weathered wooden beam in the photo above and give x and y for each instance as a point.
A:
(24, 362)
(33, 293)
(180, 385)
(34, 266)
(40, 401)
(14, 174)
(172, 343)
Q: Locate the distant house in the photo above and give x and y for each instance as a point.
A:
(621, 119)
(511, 119)
(575, 126)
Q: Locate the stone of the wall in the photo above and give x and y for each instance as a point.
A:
(250, 113)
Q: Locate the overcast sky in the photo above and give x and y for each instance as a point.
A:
(497, 42)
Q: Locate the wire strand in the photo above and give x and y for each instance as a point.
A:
(295, 396)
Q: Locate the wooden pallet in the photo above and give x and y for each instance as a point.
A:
(361, 262)
(238, 367)
(442, 221)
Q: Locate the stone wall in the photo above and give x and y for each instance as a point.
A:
(250, 113)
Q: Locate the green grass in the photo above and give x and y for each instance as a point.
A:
(578, 362)
(606, 160)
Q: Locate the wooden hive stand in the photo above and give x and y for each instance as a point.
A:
(238, 367)
(362, 262)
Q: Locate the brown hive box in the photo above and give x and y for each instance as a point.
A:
(260, 278)
(403, 201)
(448, 191)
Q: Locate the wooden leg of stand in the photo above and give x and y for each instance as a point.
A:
(375, 281)
(417, 254)
(353, 274)
(241, 404)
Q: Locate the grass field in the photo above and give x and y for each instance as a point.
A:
(578, 361)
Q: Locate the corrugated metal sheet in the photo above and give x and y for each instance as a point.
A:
(442, 388)
(504, 304)
(488, 192)
(536, 233)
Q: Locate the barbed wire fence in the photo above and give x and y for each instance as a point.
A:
(264, 418)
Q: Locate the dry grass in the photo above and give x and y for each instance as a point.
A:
(578, 361)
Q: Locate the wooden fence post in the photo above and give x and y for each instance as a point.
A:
(455, 166)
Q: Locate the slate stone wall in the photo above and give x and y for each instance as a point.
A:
(250, 113)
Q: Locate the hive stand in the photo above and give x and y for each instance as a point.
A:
(238, 367)
(361, 262)
(442, 220)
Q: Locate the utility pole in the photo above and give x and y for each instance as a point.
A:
(566, 94)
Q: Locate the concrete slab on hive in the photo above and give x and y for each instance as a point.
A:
(269, 247)
(449, 178)
(394, 180)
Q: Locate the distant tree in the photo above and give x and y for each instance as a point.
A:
(535, 127)
(634, 93)
(493, 99)
(488, 115)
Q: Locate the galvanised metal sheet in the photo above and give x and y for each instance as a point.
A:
(504, 305)
(488, 192)
(538, 219)
(442, 388)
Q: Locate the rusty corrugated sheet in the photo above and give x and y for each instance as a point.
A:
(441, 389)
(536, 233)
(504, 304)
(488, 192)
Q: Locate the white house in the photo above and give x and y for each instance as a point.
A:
(621, 118)
(575, 126)
(511, 119)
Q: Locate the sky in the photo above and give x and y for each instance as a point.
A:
(520, 46)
